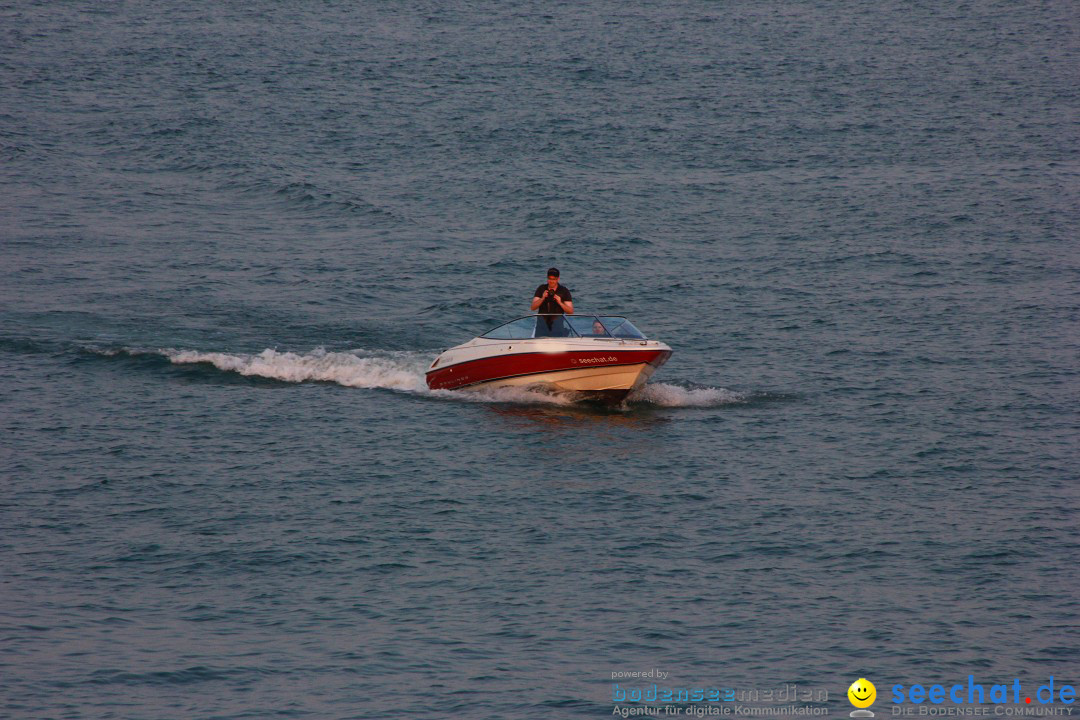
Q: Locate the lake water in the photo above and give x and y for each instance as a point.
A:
(232, 237)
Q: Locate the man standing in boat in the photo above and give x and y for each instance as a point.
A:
(551, 301)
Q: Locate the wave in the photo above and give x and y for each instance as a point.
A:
(390, 370)
(667, 395)
(403, 371)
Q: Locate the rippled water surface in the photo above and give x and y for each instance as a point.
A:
(232, 236)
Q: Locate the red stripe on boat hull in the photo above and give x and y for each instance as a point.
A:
(489, 369)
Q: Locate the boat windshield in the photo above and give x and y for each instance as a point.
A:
(588, 326)
(519, 329)
(620, 327)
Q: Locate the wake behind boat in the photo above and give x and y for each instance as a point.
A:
(598, 357)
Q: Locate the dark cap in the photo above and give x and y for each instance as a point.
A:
(553, 271)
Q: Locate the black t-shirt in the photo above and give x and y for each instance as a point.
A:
(549, 305)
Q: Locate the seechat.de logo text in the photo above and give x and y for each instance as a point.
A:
(972, 698)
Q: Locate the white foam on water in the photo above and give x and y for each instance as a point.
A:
(391, 370)
(666, 395)
(403, 371)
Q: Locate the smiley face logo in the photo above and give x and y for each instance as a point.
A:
(862, 693)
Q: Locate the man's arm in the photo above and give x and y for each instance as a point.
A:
(566, 305)
(536, 302)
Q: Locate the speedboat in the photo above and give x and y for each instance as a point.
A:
(595, 357)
